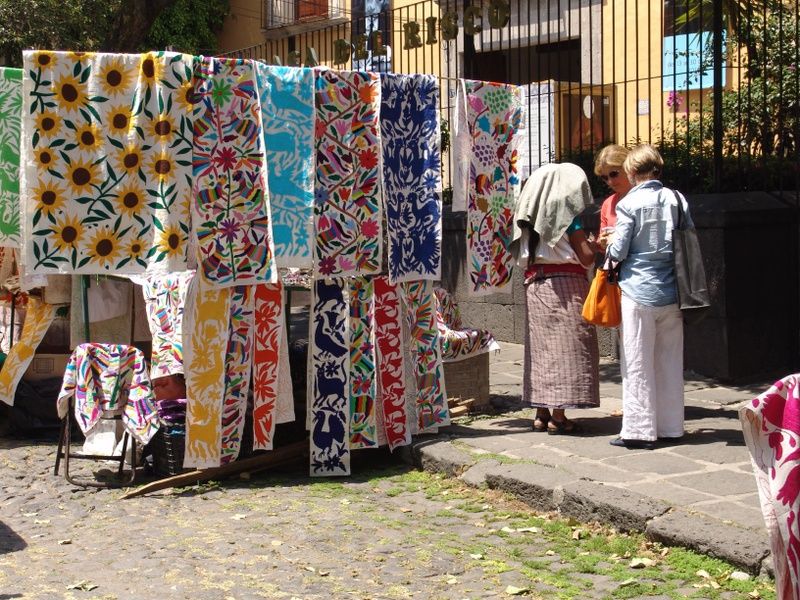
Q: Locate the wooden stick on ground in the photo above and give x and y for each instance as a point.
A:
(275, 458)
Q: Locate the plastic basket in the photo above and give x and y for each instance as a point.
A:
(167, 448)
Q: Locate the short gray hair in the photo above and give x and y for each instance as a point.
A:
(643, 162)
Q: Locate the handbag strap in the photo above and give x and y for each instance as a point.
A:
(680, 210)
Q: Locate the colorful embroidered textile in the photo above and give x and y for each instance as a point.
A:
(287, 112)
(238, 365)
(362, 364)
(230, 215)
(110, 378)
(106, 175)
(489, 116)
(165, 298)
(38, 317)
(427, 358)
(391, 364)
(329, 362)
(771, 426)
(347, 209)
(412, 175)
(10, 116)
(205, 327)
(266, 360)
(459, 342)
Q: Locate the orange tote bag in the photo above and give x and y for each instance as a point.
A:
(603, 303)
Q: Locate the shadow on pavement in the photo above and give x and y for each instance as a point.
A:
(10, 542)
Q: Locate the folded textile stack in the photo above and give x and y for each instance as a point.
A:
(172, 412)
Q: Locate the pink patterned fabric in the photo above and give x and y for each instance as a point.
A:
(771, 426)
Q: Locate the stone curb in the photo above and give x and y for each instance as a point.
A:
(551, 489)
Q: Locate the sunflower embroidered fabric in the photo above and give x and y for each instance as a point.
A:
(230, 214)
(489, 117)
(106, 163)
(771, 427)
(110, 378)
(287, 112)
(411, 175)
(347, 205)
(10, 118)
(329, 366)
(38, 318)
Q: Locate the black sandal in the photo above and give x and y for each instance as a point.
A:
(540, 424)
(565, 427)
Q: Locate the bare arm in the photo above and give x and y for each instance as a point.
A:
(582, 247)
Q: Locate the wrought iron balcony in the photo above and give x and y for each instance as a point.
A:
(289, 17)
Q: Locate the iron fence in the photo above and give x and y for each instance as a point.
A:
(715, 84)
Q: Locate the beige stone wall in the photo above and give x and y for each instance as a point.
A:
(242, 27)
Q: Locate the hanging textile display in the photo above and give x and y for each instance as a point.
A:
(284, 405)
(412, 175)
(362, 364)
(10, 123)
(238, 365)
(287, 112)
(38, 318)
(432, 408)
(106, 169)
(486, 182)
(110, 378)
(165, 299)
(391, 364)
(329, 365)
(230, 215)
(269, 328)
(771, 427)
(205, 330)
(347, 209)
(459, 342)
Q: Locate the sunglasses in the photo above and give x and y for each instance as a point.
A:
(611, 175)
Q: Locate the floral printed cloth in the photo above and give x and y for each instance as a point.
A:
(485, 182)
(287, 112)
(165, 299)
(412, 175)
(432, 410)
(329, 366)
(230, 213)
(347, 209)
(238, 366)
(110, 378)
(459, 342)
(771, 427)
(362, 364)
(106, 169)
(38, 318)
(10, 117)
(393, 416)
(205, 327)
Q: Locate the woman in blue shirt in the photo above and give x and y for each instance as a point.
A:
(652, 325)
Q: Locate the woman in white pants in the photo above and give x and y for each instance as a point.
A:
(652, 325)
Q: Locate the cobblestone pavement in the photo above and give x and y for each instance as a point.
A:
(386, 532)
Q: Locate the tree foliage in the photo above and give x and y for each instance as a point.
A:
(189, 26)
(108, 25)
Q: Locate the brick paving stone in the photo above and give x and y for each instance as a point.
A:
(662, 463)
(721, 483)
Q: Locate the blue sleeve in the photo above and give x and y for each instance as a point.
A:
(574, 226)
(623, 234)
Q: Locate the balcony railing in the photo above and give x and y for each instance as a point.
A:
(289, 17)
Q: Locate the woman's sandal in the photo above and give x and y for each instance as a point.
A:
(540, 424)
(565, 427)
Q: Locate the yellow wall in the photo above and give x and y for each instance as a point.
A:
(242, 27)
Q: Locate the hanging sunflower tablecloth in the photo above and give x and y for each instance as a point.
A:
(106, 162)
